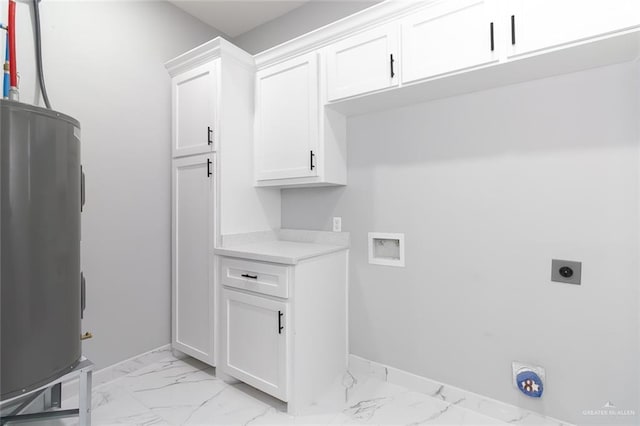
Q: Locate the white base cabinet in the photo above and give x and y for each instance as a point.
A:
(292, 347)
(256, 345)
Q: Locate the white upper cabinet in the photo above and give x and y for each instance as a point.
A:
(447, 37)
(541, 24)
(363, 63)
(475, 44)
(287, 119)
(194, 110)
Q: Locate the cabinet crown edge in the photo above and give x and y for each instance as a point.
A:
(363, 20)
(206, 52)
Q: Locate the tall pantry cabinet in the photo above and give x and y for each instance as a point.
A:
(212, 183)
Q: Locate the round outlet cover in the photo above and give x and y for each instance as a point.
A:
(529, 383)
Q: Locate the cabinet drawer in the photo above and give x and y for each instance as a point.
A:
(259, 277)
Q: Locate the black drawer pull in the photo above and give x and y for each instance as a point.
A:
(253, 277)
(280, 326)
(513, 29)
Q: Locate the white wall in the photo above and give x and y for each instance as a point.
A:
(104, 66)
(301, 20)
(488, 188)
(243, 207)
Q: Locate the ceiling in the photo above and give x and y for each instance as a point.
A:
(235, 17)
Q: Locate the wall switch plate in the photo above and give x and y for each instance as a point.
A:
(337, 224)
(566, 271)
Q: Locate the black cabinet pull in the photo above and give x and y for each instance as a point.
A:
(492, 43)
(253, 277)
(513, 29)
(280, 326)
(208, 167)
(393, 74)
(312, 157)
(209, 134)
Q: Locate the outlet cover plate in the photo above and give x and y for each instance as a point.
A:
(337, 224)
(576, 268)
(517, 366)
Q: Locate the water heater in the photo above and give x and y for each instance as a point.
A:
(40, 284)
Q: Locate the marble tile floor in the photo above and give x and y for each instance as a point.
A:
(186, 392)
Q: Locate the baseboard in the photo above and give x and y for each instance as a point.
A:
(362, 368)
(120, 369)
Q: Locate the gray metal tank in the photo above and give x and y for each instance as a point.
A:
(40, 286)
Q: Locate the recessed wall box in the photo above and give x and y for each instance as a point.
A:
(386, 249)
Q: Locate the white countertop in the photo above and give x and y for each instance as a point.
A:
(278, 250)
(288, 252)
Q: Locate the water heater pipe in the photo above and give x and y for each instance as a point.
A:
(5, 83)
(13, 93)
(38, 43)
(5, 87)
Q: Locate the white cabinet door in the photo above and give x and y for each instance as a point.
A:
(448, 37)
(287, 119)
(192, 256)
(194, 110)
(363, 63)
(256, 346)
(542, 24)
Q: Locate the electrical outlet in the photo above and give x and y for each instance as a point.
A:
(566, 271)
(337, 224)
(532, 376)
(517, 367)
